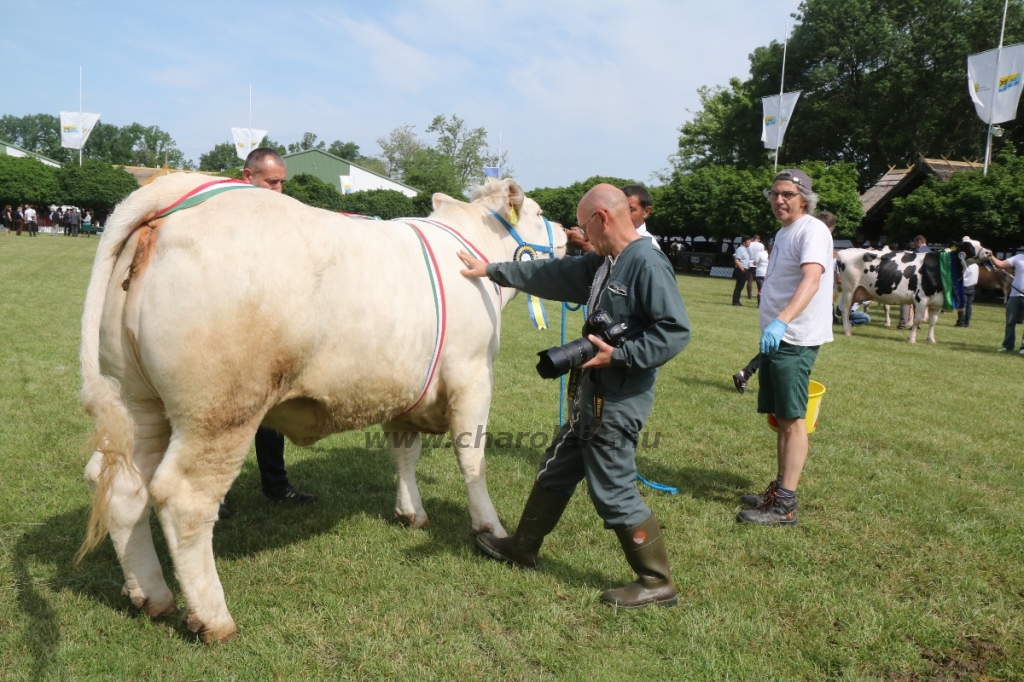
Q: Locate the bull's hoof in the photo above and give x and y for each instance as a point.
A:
(411, 520)
(209, 634)
(151, 607)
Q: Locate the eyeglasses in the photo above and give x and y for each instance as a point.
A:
(596, 213)
(772, 195)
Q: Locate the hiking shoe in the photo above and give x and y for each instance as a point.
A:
(1002, 349)
(772, 512)
(739, 380)
(756, 500)
(289, 494)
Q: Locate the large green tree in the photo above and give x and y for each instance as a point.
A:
(313, 191)
(26, 180)
(559, 203)
(221, 158)
(882, 80)
(95, 184)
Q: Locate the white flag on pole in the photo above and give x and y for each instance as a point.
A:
(994, 89)
(776, 118)
(75, 128)
(244, 145)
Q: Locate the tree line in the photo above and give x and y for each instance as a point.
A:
(96, 185)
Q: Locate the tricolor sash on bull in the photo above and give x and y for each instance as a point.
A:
(526, 252)
(201, 194)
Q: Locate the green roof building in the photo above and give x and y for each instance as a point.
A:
(8, 149)
(346, 176)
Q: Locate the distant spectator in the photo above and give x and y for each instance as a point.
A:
(31, 221)
(1015, 302)
(66, 222)
(741, 263)
(76, 222)
(87, 223)
(906, 311)
(7, 218)
(963, 317)
(19, 219)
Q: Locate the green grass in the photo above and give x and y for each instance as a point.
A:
(906, 564)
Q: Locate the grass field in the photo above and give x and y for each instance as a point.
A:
(906, 564)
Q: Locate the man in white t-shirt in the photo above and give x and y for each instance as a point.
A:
(1015, 302)
(963, 317)
(30, 221)
(741, 267)
(796, 318)
(756, 251)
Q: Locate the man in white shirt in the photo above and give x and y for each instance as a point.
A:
(30, 222)
(796, 318)
(963, 317)
(1015, 302)
(640, 204)
(756, 251)
(741, 266)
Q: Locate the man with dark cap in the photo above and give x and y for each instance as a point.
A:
(795, 312)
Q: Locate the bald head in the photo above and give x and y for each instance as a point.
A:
(603, 214)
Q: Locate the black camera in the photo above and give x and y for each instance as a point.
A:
(554, 362)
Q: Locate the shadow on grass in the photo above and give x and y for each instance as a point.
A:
(351, 482)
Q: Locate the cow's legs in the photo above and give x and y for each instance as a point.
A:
(187, 488)
(888, 322)
(404, 448)
(917, 312)
(933, 318)
(468, 427)
(128, 513)
(845, 303)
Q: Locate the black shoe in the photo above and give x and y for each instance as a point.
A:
(225, 511)
(739, 380)
(773, 512)
(756, 500)
(289, 494)
(738, 304)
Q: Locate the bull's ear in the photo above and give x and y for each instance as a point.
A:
(440, 199)
(514, 197)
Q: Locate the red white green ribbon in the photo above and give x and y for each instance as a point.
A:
(202, 193)
(440, 310)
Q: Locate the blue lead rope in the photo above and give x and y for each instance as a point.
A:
(653, 485)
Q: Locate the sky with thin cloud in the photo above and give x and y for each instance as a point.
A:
(574, 88)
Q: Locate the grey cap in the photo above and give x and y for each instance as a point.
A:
(795, 175)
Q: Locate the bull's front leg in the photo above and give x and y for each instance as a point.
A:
(469, 439)
(404, 448)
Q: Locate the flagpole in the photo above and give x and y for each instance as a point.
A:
(250, 121)
(995, 86)
(80, 126)
(782, 89)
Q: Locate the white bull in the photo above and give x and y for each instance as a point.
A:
(252, 308)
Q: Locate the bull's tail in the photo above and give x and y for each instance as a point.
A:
(114, 438)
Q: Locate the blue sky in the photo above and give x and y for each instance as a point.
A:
(575, 88)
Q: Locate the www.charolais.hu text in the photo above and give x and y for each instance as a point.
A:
(499, 439)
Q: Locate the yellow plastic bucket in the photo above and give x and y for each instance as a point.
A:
(815, 392)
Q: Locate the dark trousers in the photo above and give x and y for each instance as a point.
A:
(33, 228)
(1014, 311)
(741, 279)
(270, 457)
(752, 366)
(963, 317)
(607, 461)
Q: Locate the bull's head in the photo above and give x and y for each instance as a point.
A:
(518, 218)
(973, 250)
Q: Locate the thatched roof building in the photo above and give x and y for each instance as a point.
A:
(899, 183)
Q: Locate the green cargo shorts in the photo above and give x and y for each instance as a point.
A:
(782, 387)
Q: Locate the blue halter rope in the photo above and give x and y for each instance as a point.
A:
(549, 249)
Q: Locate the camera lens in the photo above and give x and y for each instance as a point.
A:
(554, 362)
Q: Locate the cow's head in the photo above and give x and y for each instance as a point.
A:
(517, 219)
(973, 250)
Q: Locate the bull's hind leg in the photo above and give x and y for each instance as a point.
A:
(404, 448)
(128, 512)
(933, 318)
(196, 473)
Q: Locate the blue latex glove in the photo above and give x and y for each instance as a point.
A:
(772, 335)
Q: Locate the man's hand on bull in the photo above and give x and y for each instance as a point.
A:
(576, 237)
(772, 336)
(604, 354)
(474, 267)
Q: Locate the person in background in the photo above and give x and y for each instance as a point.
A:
(761, 267)
(87, 223)
(31, 221)
(76, 222)
(7, 218)
(741, 264)
(19, 220)
(1015, 301)
(640, 206)
(265, 168)
(963, 317)
(756, 249)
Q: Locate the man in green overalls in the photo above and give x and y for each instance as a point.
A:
(610, 396)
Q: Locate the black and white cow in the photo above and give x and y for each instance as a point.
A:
(898, 278)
